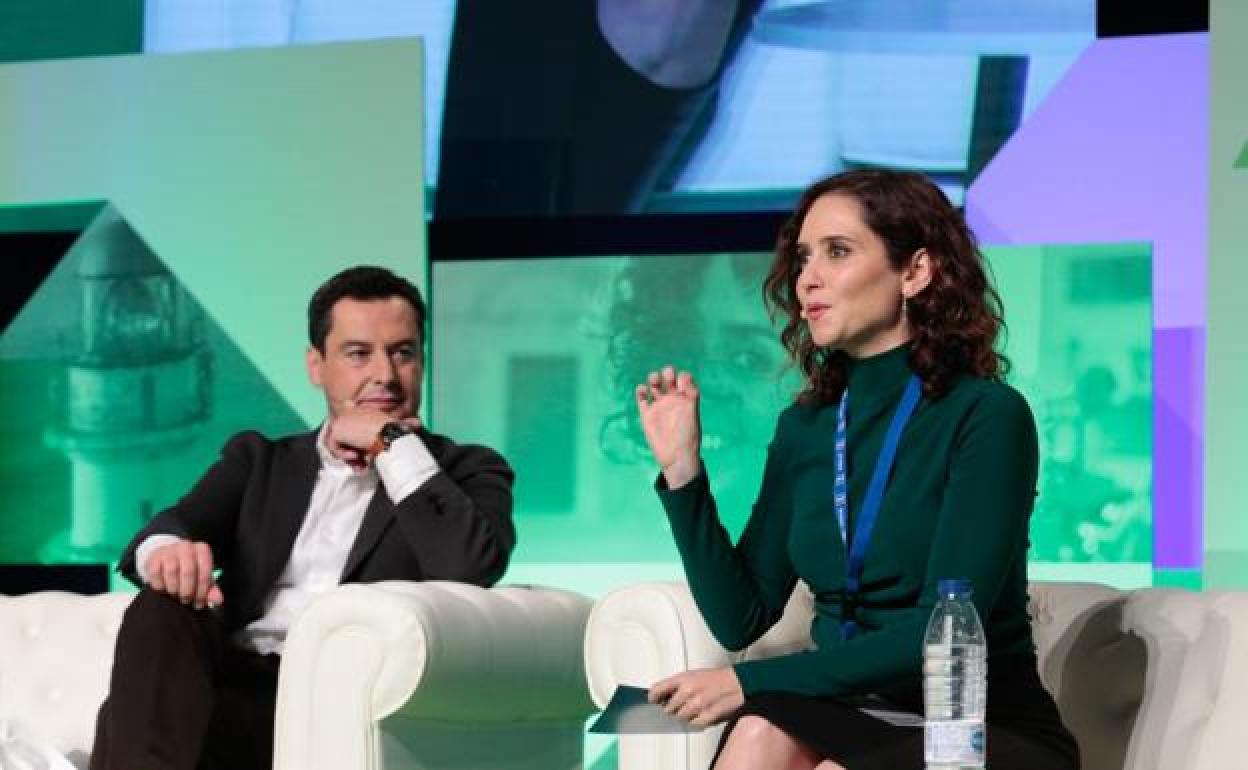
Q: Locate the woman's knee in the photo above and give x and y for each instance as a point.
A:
(756, 742)
(755, 728)
(757, 733)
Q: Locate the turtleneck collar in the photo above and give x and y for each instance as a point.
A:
(879, 374)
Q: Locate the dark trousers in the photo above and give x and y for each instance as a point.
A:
(182, 696)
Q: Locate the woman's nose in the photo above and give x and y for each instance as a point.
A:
(807, 278)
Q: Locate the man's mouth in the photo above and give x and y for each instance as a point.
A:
(381, 403)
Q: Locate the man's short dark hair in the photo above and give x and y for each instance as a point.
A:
(361, 283)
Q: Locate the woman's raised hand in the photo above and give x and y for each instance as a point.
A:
(668, 405)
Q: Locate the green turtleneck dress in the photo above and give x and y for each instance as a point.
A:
(956, 506)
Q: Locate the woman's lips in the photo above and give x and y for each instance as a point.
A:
(815, 312)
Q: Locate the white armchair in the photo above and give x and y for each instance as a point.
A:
(1155, 679)
(388, 675)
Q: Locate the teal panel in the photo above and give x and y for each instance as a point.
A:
(1179, 578)
(1226, 412)
(60, 29)
(1080, 340)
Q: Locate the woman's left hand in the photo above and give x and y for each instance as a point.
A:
(702, 698)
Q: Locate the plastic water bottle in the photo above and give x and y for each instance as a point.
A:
(955, 682)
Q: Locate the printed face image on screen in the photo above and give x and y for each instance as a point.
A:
(539, 357)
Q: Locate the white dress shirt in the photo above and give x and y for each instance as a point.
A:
(339, 500)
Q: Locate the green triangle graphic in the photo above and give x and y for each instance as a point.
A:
(117, 391)
(1242, 160)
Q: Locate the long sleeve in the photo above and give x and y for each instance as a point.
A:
(405, 466)
(980, 533)
(458, 523)
(740, 590)
(209, 511)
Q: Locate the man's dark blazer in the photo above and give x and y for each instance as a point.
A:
(250, 504)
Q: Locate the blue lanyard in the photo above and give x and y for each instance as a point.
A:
(856, 550)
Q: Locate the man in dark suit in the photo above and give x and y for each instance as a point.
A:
(371, 495)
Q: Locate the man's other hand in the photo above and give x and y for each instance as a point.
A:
(183, 570)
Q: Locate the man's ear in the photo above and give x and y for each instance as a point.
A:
(917, 275)
(314, 361)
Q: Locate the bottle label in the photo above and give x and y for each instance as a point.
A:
(954, 742)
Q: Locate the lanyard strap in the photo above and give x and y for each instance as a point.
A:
(856, 550)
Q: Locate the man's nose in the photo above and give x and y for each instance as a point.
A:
(381, 368)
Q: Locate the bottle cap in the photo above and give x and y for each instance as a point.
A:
(953, 587)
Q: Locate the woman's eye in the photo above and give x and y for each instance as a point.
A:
(750, 360)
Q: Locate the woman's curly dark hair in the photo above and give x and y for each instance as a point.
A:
(954, 322)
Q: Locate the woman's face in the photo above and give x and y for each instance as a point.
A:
(851, 296)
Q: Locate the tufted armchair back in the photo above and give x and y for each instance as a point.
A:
(56, 651)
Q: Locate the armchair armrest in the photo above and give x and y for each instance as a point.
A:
(441, 651)
(1205, 728)
(642, 633)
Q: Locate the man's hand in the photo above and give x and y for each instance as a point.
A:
(183, 570)
(353, 430)
(702, 698)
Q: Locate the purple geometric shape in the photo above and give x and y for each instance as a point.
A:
(1178, 391)
(1117, 152)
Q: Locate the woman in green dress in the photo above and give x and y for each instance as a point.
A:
(890, 319)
